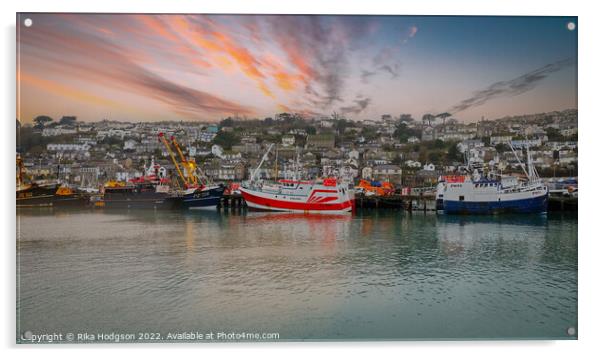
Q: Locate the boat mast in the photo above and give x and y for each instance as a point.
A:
(276, 165)
(533, 175)
(296, 166)
(265, 156)
(517, 158)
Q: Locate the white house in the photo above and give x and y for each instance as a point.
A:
(469, 145)
(429, 167)
(58, 131)
(367, 173)
(288, 140)
(130, 145)
(206, 136)
(217, 151)
(525, 143)
(503, 139)
(68, 147)
(353, 154)
(413, 164)
(326, 124)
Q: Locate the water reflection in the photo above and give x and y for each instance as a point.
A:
(370, 275)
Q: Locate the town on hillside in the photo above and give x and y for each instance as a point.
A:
(401, 150)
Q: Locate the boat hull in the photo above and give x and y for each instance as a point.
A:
(269, 202)
(74, 200)
(538, 204)
(207, 198)
(133, 198)
(46, 196)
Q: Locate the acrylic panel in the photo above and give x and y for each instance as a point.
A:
(264, 178)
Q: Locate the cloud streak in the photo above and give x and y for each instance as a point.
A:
(319, 47)
(513, 87)
(386, 60)
(360, 104)
(101, 61)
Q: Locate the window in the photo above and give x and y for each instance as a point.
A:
(461, 198)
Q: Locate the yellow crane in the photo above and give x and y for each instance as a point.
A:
(173, 158)
(189, 166)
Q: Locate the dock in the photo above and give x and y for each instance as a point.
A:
(396, 202)
(410, 203)
(232, 202)
(562, 203)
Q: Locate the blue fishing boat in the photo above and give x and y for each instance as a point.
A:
(492, 194)
(204, 197)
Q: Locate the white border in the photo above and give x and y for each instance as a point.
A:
(590, 247)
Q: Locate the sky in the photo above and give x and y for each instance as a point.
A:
(208, 67)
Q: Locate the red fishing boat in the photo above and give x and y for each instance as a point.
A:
(327, 196)
(320, 196)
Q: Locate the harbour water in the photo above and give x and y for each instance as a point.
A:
(376, 275)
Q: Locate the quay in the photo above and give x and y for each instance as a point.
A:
(396, 202)
(410, 203)
(393, 202)
(231, 202)
(562, 203)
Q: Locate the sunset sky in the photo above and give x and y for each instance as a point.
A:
(206, 67)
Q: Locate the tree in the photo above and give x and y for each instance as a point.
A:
(403, 132)
(501, 147)
(435, 157)
(444, 116)
(226, 139)
(406, 118)
(228, 122)
(437, 144)
(369, 133)
(341, 125)
(554, 134)
(68, 120)
(453, 154)
(427, 119)
(286, 118)
(41, 121)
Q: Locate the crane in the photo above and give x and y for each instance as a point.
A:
(173, 158)
(189, 166)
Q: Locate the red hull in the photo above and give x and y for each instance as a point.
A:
(257, 202)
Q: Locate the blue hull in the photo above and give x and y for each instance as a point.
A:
(203, 198)
(529, 205)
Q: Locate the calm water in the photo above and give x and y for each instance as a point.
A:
(382, 275)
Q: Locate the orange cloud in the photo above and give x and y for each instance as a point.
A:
(72, 93)
(284, 108)
(86, 57)
(223, 50)
(156, 25)
(265, 90)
